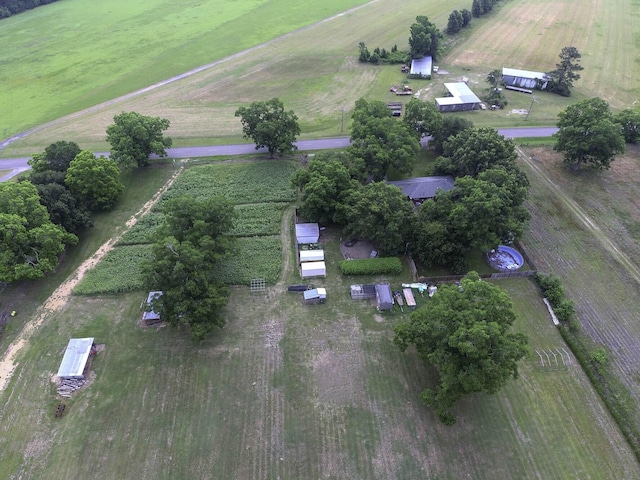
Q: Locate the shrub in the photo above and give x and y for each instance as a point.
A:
(371, 266)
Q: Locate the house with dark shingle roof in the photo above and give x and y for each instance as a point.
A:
(419, 189)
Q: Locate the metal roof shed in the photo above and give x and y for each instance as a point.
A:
(384, 296)
(307, 232)
(461, 99)
(75, 358)
(311, 255)
(421, 67)
(149, 315)
(420, 188)
(313, 269)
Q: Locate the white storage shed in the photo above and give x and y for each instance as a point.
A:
(311, 255)
(150, 316)
(313, 269)
(307, 232)
(75, 358)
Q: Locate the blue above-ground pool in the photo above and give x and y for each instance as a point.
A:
(505, 259)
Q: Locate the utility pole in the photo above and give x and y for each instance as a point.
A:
(533, 99)
(342, 122)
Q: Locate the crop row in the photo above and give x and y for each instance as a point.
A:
(256, 257)
(255, 182)
(142, 232)
(119, 271)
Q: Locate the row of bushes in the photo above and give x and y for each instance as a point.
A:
(594, 360)
(371, 266)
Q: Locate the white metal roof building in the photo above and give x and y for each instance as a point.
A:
(149, 314)
(307, 232)
(75, 358)
(421, 67)
(313, 269)
(524, 78)
(311, 255)
(461, 99)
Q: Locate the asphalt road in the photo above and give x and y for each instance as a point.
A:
(19, 165)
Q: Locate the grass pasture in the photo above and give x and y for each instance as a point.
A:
(95, 51)
(293, 391)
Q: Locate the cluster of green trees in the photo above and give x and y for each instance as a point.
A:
(189, 245)
(46, 211)
(424, 39)
(458, 19)
(483, 210)
(482, 7)
(13, 7)
(494, 95)
(382, 55)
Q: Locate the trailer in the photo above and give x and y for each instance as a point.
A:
(409, 298)
(315, 295)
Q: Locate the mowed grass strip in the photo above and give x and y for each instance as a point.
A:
(95, 51)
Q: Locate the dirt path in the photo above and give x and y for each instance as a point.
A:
(60, 296)
(580, 214)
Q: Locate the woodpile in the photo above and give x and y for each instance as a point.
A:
(69, 385)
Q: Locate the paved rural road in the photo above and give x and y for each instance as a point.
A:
(18, 165)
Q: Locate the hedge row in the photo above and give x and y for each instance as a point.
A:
(371, 266)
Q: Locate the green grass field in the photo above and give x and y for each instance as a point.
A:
(318, 82)
(293, 391)
(91, 52)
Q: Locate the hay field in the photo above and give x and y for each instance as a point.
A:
(314, 71)
(60, 58)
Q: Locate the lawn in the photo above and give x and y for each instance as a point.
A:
(318, 83)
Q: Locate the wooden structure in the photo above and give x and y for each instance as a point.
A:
(410, 299)
(384, 297)
(399, 300)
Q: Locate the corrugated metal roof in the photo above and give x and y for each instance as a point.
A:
(514, 72)
(421, 66)
(424, 187)
(75, 358)
(307, 232)
(151, 314)
(311, 255)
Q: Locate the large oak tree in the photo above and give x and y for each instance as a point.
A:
(464, 333)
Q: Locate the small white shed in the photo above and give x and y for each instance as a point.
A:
(75, 358)
(311, 255)
(313, 269)
(307, 233)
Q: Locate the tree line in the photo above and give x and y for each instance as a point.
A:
(49, 208)
(13, 7)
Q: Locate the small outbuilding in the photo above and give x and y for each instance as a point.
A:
(362, 292)
(76, 356)
(307, 233)
(311, 256)
(524, 79)
(313, 269)
(384, 296)
(149, 316)
(421, 67)
(315, 295)
(460, 98)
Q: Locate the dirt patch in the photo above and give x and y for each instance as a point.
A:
(378, 318)
(60, 296)
(361, 249)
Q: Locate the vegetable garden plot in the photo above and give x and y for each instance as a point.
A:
(119, 271)
(251, 182)
(142, 232)
(258, 219)
(256, 257)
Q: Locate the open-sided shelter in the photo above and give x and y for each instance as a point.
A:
(311, 255)
(384, 296)
(363, 291)
(461, 98)
(524, 79)
(307, 233)
(421, 67)
(313, 269)
(75, 358)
